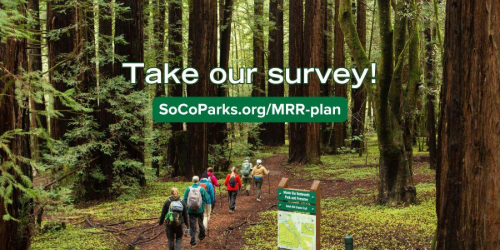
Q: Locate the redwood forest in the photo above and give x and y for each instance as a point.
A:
(86, 164)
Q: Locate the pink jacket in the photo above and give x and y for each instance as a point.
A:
(213, 179)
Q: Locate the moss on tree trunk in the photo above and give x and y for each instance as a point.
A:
(396, 184)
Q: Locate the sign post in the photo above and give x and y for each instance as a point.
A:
(299, 217)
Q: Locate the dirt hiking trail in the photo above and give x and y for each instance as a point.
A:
(226, 230)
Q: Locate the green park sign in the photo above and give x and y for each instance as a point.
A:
(297, 207)
(296, 195)
(299, 217)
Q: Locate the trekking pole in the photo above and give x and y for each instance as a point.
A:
(269, 183)
(253, 184)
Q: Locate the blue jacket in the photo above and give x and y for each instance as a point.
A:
(204, 196)
(210, 190)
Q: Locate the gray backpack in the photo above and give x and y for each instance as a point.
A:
(194, 201)
(246, 169)
(174, 213)
(176, 206)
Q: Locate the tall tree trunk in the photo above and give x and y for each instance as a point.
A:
(175, 59)
(259, 79)
(468, 166)
(340, 129)
(225, 36)
(297, 148)
(35, 64)
(431, 97)
(105, 117)
(313, 58)
(411, 95)
(219, 130)
(359, 95)
(225, 46)
(130, 26)
(15, 234)
(274, 133)
(200, 34)
(159, 30)
(216, 131)
(396, 183)
(327, 128)
(132, 29)
(60, 53)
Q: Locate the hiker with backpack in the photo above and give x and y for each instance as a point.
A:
(233, 184)
(246, 172)
(195, 197)
(207, 185)
(175, 214)
(215, 183)
(258, 174)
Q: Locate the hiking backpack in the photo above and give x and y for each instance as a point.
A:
(195, 200)
(245, 169)
(204, 186)
(232, 181)
(174, 213)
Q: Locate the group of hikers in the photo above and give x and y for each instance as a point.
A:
(199, 201)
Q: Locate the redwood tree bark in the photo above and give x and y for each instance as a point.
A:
(274, 133)
(340, 129)
(431, 97)
(132, 28)
(225, 35)
(226, 17)
(15, 234)
(258, 50)
(35, 64)
(359, 95)
(468, 189)
(159, 30)
(313, 58)
(199, 41)
(259, 80)
(60, 51)
(295, 60)
(175, 59)
(326, 89)
(216, 131)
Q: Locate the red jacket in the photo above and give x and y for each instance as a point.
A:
(213, 179)
(238, 182)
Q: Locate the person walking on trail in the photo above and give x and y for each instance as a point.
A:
(215, 183)
(246, 172)
(207, 185)
(258, 173)
(175, 214)
(195, 197)
(233, 184)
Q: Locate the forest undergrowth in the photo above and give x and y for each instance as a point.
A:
(348, 208)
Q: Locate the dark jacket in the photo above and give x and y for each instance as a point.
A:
(166, 207)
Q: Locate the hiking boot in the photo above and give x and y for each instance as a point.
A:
(258, 199)
(193, 245)
(201, 239)
(231, 211)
